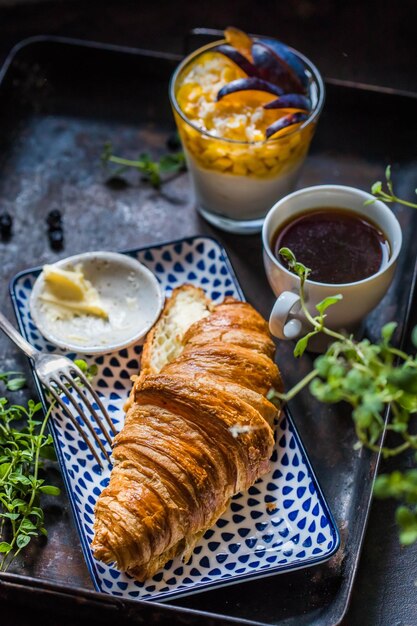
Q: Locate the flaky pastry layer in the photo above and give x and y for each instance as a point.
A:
(198, 430)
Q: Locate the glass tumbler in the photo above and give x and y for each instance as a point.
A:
(237, 182)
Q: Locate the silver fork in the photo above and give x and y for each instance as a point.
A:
(59, 375)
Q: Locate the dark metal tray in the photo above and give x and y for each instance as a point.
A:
(60, 101)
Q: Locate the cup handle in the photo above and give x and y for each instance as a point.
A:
(281, 324)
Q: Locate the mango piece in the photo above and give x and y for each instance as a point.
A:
(228, 74)
(213, 152)
(222, 164)
(275, 170)
(190, 92)
(239, 169)
(254, 164)
(239, 40)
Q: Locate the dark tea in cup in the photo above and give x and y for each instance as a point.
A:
(338, 245)
(359, 270)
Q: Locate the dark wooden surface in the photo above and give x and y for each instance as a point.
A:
(356, 41)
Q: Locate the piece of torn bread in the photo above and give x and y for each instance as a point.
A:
(198, 430)
(164, 342)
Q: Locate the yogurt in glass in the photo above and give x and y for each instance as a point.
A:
(237, 172)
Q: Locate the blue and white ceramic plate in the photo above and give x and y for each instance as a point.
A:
(282, 523)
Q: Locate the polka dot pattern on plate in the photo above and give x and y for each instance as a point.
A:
(281, 523)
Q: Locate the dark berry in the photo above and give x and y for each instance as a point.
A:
(54, 219)
(173, 142)
(6, 223)
(56, 239)
(117, 183)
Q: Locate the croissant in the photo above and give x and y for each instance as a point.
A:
(198, 430)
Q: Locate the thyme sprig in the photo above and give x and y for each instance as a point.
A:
(152, 170)
(24, 447)
(369, 376)
(387, 194)
(22, 453)
(14, 381)
(373, 378)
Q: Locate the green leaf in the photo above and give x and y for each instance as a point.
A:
(81, 364)
(382, 487)
(151, 170)
(399, 427)
(376, 187)
(388, 330)
(22, 541)
(15, 384)
(27, 525)
(5, 547)
(295, 266)
(301, 345)
(355, 382)
(18, 503)
(375, 431)
(273, 397)
(37, 512)
(408, 401)
(287, 255)
(324, 393)
(92, 371)
(154, 179)
(106, 153)
(363, 417)
(408, 536)
(170, 163)
(414, 336)
(407, 521)
(12, 516)
(329, 301)
(399, 485)
(145, 158)
(4, 468)
(50, 490)
(89, 371)
(388, 172)
(21, 479)
(301, 270)
(336, 373)
(372, 402)
(322, 365)
(34, 406)
(404, 378)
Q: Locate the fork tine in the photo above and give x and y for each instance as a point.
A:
(86, 400)
(82, 414)
(96, 398)
(74, 422)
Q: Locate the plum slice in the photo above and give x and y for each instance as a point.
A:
(246, 84)
(234, 55)
(284, 54)
(275, 69)
(284, 122)
(290, 101)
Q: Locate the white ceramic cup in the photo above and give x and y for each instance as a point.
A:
(360, 297)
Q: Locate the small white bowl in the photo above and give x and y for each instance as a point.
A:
(129, 291)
